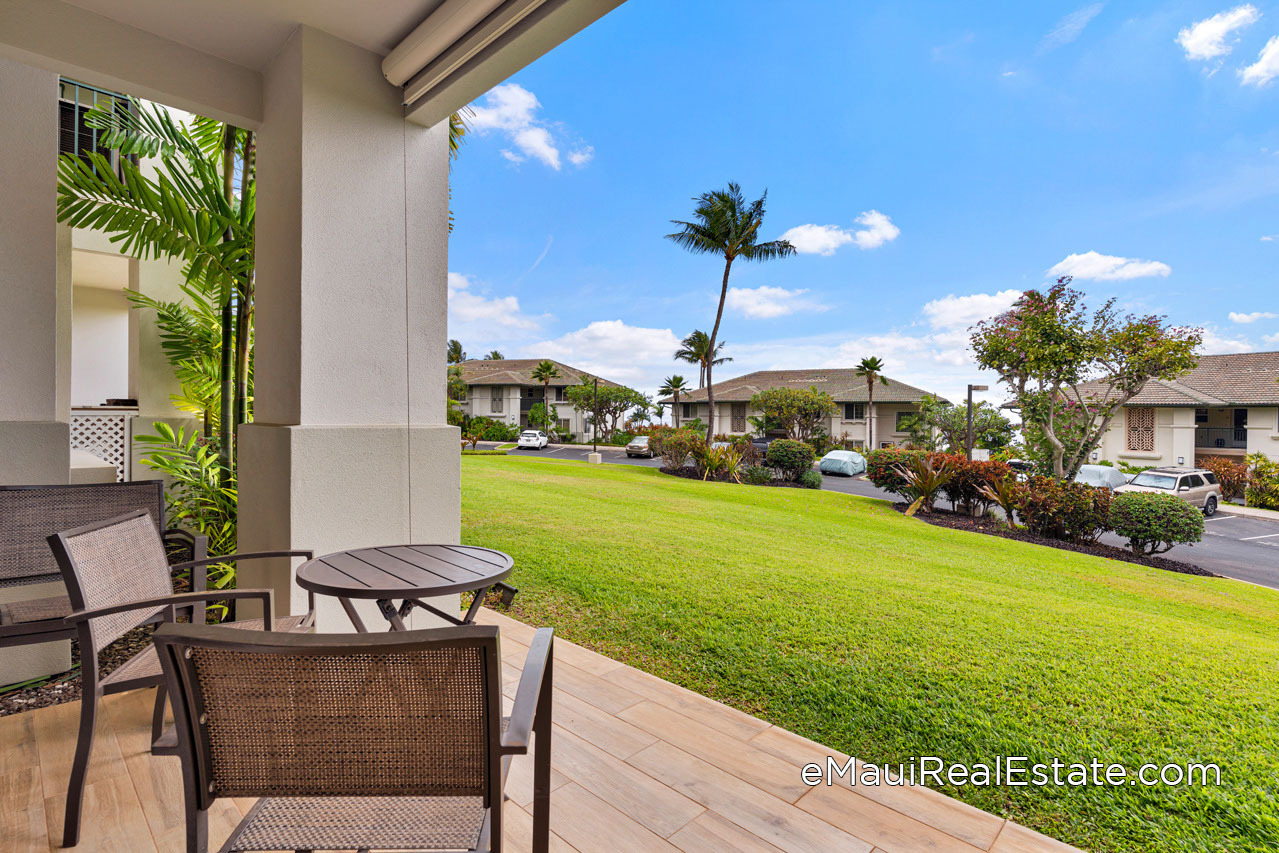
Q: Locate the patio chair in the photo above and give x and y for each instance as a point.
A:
(118, 578)
(389, 741)
(28, 514)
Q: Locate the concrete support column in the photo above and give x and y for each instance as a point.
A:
(350, 446)
(35, 284)
(1183, 437)
(35, 322)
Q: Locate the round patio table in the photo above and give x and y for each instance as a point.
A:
(409, 573)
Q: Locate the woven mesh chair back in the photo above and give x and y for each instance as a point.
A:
(281, 721)
(28, 514)
(114, 564)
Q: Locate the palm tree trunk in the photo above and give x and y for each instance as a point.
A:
(226, 399)
(870, 415)
(244, 306)
(710, 352)
(675, 411)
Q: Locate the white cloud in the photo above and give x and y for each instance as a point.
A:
(632, 355)
(877, 229)
(817, 239)
(1271, 339)
(1266, 68)
(960, 312)
(1070, 27)
(1215, 343)
(475, 317)
(768, 302)
(1206, 39)
(1099, 267)
(1236, 317)
(1268, 238)
(511, 110)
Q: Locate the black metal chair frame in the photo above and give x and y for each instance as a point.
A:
(530, 717)
(163, 609)
(56, 628)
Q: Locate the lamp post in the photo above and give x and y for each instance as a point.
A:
(968, 443)
(595, 417)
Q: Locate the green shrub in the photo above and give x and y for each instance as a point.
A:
(657, 437)
(758, 475)
(1263, 484)
(882, 468)
(810, 480)
(491, 430)
(822, 442)
(678, 445)
(790, 458)
(1066, 510)
(1153, 523)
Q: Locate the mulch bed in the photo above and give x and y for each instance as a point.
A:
(996, 527)
(689, 474)
(65, 687)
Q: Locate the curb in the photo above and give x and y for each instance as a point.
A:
(1249, 512)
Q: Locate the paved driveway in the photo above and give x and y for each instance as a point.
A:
(1233, 545)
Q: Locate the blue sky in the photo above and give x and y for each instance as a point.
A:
(931, 159)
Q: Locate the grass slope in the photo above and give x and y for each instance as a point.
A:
(888, 638)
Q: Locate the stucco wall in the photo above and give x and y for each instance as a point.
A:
(99, 346)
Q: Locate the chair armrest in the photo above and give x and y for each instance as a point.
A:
(532, 682)
(177, 600)
(199, 550)
(231, 558)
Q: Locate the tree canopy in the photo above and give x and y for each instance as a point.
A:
(942, 426)
(799, 411)
(608, 408)
(1070, 371)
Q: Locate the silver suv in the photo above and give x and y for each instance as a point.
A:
(1195, 486)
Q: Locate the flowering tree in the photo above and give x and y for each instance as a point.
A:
(1071, 371)
(799, 411)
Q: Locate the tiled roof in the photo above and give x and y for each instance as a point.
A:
(1236, 379)
(841, 383)
(518, 371)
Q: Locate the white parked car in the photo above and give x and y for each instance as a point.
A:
(532, 439)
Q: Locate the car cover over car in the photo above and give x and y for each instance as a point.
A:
(844, 462)
(1101, 476)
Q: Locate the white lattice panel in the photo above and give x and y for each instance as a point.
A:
(104, 435)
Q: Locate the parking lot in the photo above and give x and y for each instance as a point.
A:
(1235, 546)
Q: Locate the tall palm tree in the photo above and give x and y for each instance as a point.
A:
(456, 355)
(545, 372)
(494, 355)
(872, 370)
(696, 349)
(725, 224)
(672, 387)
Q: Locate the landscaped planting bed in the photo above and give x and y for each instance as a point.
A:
(838, 618)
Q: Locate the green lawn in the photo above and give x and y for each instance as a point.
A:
(888, 638)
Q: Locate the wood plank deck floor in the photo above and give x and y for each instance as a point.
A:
(640, 764)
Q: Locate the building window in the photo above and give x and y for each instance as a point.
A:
(854, 411)
(1141, 429)
(899, 424)
(74, 134)
(497, 396)
(858, 444)
(686, 410)
(561, 426)
(559, 394)
(1201, 416)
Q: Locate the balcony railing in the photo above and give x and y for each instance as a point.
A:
(1224, 438)
(75, 99)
